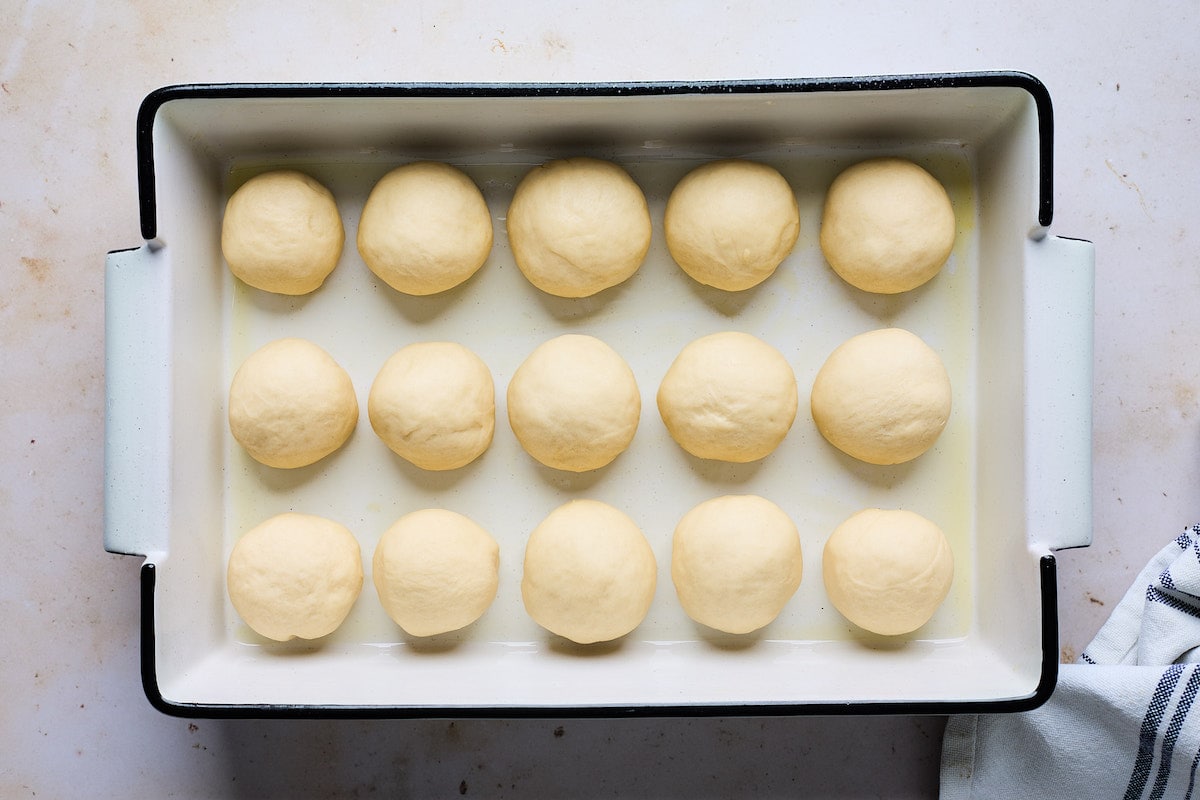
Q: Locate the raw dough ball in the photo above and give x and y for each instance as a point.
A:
(589, 573)
(425, 228)
(282, 232)
(290, 404)
(295, 575)
(728, 396)
(882, 397)
(736, 562)
(574, 404)
(888, 571)
(435, 571)
(577, 226)
(434, 404)
(888, 226)
(730, 223)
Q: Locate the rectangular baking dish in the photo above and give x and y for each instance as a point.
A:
(1009, 481)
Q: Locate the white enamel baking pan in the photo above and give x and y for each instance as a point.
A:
(1009, 480)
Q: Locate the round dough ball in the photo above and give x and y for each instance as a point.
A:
(435, 571)
(434, 404)
(589, 574)
(577, 226)
(290, 404)
(574, 403)
(887, 571)
(295, 575)
(425, 228)
(888, 226)
(730, 223)
(728, 396)
(736, 562)
(282, 232)
(882, 397)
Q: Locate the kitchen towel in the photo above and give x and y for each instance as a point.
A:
(1123, 722)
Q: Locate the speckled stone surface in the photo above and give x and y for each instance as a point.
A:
(74, 720)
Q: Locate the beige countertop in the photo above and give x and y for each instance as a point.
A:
(75, 721)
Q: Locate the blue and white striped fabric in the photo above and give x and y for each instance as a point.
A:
(1123, 721)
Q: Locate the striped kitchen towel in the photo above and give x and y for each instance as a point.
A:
(1123, 722)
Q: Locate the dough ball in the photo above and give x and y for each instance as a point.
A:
(295, 575)
(888, 226)
(574, 404)
(434, 404)
(577, 226)
(730, 223)
(728, 396)
(589, 573)
(282, 232)
(290, 404)
(882, 397)
(887, 571)
(425, 228)
(736, 562)
(435, 571)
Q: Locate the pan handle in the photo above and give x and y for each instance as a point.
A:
(1059, 313)
(137, 395)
